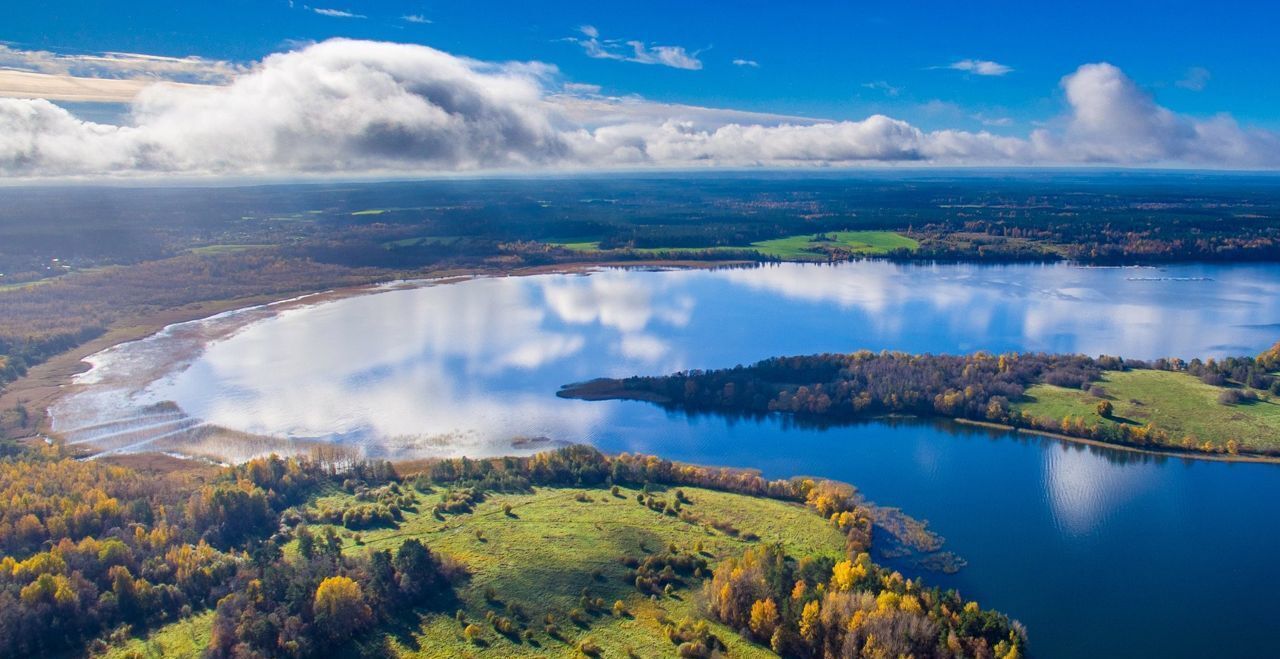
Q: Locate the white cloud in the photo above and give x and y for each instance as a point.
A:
(746, 62)
(1196, 79)
(357, 107)
(993, 121)
(416, 18)
(881, 85)
(581, 89)
(26, 84)
(336, 106)
(676, 57)
(1113, 120)
(643, 347)
(337, 13)
(980, 67)
(118, 66)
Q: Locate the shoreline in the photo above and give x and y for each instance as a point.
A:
(600, 389)
(1164, 452)
(47, 382)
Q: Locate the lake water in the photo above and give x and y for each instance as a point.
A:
(1099, 552)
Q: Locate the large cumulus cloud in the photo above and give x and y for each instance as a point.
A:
(335, 106)
(356, 107)
(1112, 120)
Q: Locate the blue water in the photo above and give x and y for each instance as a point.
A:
(1099, 552)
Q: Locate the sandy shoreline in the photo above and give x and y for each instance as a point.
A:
(47, 383)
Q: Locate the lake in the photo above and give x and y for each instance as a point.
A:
(1099, 552)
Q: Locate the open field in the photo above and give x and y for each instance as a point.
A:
(1175, 402)
(814, 247)
(558, 541)
(225, 249)
(810, 247)
(185, 639)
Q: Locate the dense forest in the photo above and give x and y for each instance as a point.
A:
(979, 387)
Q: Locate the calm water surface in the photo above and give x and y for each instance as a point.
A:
(1098, 552)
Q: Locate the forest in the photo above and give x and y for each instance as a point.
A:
(983, 387)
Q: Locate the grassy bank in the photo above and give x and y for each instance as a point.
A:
(1177, 403)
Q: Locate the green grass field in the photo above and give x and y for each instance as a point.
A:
(184, 639)
(1175, 402)
(793, 248)
(225, 249)
(555, 543)
(808, 248)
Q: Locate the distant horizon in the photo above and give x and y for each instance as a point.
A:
(800, 173)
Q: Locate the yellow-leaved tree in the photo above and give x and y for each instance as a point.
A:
(340, 608)
(764, 618)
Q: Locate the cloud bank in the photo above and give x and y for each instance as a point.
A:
(344, 107)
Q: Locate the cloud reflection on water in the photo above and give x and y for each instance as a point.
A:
(466, 367)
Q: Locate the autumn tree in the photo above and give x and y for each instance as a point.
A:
(764, 618)
(340, 609)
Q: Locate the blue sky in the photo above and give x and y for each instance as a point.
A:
(591, 85)
(838, 60)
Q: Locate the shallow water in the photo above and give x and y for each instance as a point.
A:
(1097, 551)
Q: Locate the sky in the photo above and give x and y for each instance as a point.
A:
(597, 85)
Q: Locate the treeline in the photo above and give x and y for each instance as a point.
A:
(90, 548)
(853, 608)
(861, 384)
(1107, 236)
(979, 387)
(18, 354)
(586, 466)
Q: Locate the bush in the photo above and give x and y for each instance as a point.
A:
(1236, 396)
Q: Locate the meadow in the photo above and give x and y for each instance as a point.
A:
(1177, 403)
(536, 553)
